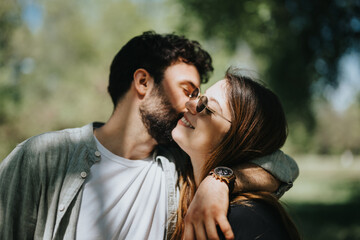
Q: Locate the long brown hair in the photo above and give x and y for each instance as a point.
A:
(258, 128)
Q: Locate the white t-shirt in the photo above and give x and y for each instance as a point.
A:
(123, 199)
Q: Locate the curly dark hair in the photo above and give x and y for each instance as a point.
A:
(155, 53)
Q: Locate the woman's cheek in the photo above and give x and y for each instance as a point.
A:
(182, 138)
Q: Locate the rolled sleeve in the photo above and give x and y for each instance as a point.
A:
(281, 166)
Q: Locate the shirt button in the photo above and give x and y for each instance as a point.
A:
(83, 174)
(61, 207)
(97, 153)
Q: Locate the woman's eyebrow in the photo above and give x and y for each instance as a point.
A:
(215, 101)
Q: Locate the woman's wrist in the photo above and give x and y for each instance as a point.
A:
(225, 175)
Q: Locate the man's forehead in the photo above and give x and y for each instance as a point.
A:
(182, 72)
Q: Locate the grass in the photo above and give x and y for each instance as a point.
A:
(325, 199)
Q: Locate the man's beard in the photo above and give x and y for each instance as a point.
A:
(158, 115)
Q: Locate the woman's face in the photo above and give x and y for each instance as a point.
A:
(199, 133)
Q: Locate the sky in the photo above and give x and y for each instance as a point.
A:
(342, 97)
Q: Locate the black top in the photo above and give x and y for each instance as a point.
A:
(258, 221)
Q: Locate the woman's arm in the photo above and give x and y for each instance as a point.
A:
(207, 210)
(211, 201)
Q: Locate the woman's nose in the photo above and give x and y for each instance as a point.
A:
(191, 106)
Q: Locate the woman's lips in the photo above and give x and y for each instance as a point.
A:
(183, 121)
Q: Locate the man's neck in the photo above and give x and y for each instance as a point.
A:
(124, 134)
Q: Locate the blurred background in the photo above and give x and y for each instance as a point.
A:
(55, 57)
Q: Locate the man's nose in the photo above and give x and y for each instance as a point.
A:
(191, 106)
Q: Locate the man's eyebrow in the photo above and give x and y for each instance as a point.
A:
(190, 83)
(193, 85)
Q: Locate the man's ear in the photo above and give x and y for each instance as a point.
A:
(142, 81)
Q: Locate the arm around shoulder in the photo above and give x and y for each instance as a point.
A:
(275, 172)
(282, 167)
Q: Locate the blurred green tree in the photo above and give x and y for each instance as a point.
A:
(298, 42)
(54, 61)
(338, 131)
(10, 20)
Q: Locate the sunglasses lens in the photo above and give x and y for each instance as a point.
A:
(195, 93)
(201, 104)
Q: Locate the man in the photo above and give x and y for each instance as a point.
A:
(111, 181)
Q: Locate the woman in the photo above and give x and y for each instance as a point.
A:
(235, 121)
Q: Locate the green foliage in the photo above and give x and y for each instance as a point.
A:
(9, 20)
(338, 131)
(55, 76)
(10, 94)
(297, 42)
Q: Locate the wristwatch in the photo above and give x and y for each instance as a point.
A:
(224, 174)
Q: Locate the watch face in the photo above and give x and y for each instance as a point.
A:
(223, 171)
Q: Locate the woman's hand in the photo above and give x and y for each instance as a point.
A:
(207, 210)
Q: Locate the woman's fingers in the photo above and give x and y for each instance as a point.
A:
(225, 227)
(211, 230)
(189, 233)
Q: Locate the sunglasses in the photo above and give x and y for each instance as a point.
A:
(203, 103)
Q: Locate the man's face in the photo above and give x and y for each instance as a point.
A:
(180, 80)
(166, 102)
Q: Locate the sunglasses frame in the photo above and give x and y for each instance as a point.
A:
(202, 103)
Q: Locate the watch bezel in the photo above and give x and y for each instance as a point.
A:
(219, 171)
